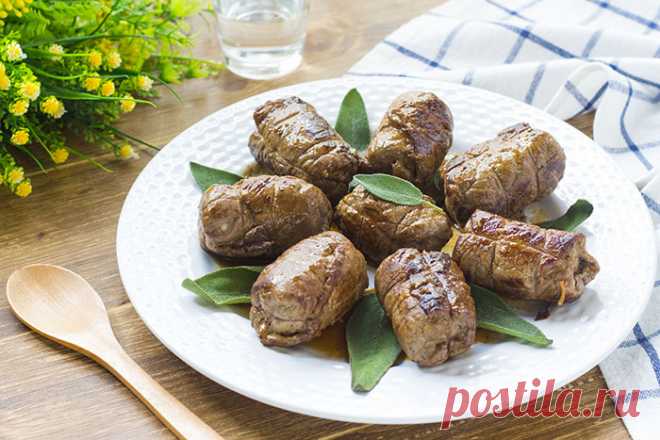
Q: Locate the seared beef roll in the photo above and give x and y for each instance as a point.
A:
(292, 138)
(378, 227)
(503, 175)
(308, 288)
(429, 303)
(260, 217)
(524, 261)
(412, 140)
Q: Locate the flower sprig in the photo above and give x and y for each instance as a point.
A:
(72, 69)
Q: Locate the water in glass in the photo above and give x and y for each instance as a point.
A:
(262, 39)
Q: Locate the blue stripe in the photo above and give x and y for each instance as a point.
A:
(649, 349)
(445, 45)
(634, 342)
(645, 146)
(624, 13)
(644, 394)
(591, 43)
(509, 11)
(579, 97)
(626, 135)
(623, 88)
(652, 204)
(414, 55)
(656, 284)
(657, 53)
(469, 77)
(531, 92)
(657, 17)
(517, 45)
(596, 97)
(566, 54)
(389, 75)
(538, 40)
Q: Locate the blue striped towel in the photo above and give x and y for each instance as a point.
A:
(567, 57)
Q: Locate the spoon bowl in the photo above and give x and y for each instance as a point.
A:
(60, 305)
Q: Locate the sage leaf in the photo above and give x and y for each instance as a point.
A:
(574, 217)
(372, 344)
(207, 176)
(389, 188)
(353, 122)
(228, 285)
(496, 315)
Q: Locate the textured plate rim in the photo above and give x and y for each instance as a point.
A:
(385, 419)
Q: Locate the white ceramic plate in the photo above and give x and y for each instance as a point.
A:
(157, 248)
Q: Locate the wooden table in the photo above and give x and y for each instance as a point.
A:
(50, 392)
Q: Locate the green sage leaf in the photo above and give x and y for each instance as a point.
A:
(496, 315)
(228, 285)
(389, 188)
(353, 122)
(372, 344)
(207, 176)
(574, 217)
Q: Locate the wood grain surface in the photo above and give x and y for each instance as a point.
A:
(49, 392)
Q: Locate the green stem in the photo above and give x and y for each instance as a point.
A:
(432, 205)
(50, 55)
(132, 138)
(184, 58)
(74, 40)
(89, 159)
(53, 76)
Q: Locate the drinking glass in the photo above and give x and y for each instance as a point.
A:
(262, 39)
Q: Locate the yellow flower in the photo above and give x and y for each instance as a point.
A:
(23, 189)
(95, 59)
(53, 107)
(56, 50)
(2, 69)
(20, 137)
(15, 175)
(144, 83)
(4, 82)
(92, 83)
(108, 88)
(19, 108)
(15, 52)
(114, 60)
(127, 105)
(60, 155)
(30, 90)
(126, 151)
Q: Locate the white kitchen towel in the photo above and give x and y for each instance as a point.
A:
(568, 57)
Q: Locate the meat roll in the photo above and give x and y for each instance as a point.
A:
(429, 303)
(503, 175)
(412, 140)
(260, 217)
(524, 261)
(378, 227)
(293, 139)
(308, 288)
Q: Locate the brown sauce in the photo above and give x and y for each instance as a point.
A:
(331, 343)
(254, 169)
(448, 248)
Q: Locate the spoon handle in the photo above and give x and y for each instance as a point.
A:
(179, 419)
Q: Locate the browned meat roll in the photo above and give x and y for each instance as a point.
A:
(429, 303)
(503, 175)
(260, 217)
(308, 288)
(378, 227)
(293, 139)
(523, 260)
(412, 140)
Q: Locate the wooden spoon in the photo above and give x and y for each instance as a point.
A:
(62, 306)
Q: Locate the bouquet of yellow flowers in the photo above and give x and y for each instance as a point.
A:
(73, 67)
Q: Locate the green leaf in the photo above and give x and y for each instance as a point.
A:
(228, 285)
(207, 176)
(496, 315)
(372, 344)
(389, 188)
(353, 122)
(574, 217)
